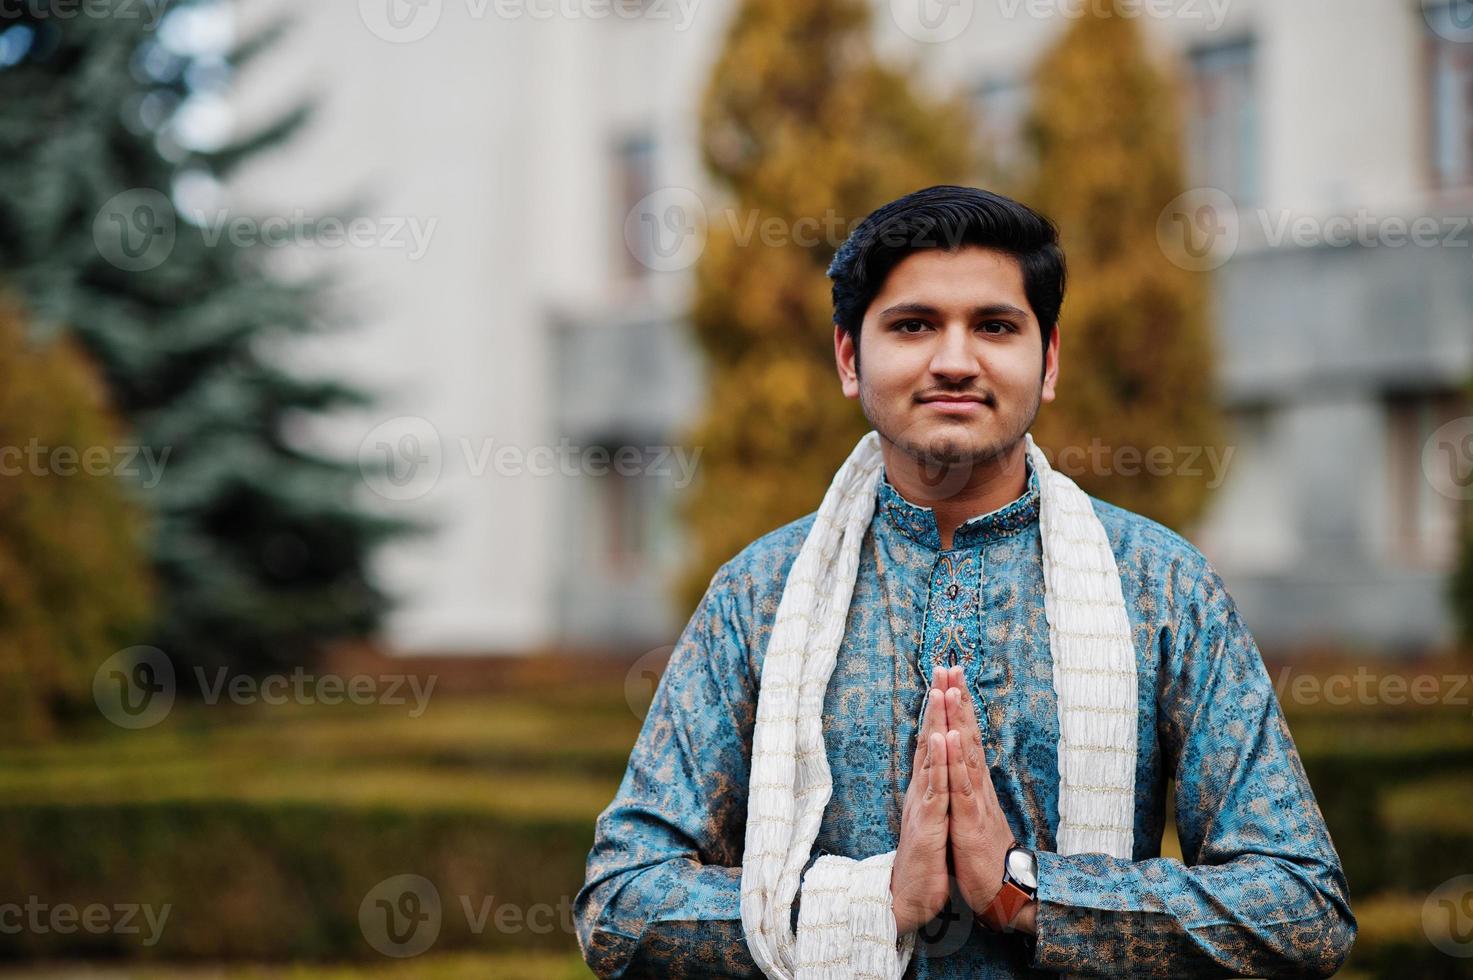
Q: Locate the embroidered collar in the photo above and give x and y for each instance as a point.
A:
(919, 523)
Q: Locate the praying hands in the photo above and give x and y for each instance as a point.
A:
(951, 822)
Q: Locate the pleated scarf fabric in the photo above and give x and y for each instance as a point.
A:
(846, 928)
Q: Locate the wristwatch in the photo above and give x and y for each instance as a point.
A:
(1019, 887)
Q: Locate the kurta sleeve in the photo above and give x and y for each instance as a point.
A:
(1261, 892)
(662, 894)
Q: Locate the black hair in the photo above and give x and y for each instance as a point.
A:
(947, 216)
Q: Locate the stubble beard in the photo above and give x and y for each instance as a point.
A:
(942, 451)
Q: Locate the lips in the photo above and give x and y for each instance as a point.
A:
(954, 405)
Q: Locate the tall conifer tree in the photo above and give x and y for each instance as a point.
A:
(259, 544)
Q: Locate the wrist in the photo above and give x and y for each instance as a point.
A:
(1016, 890)
(987, 876)
(1027, 920)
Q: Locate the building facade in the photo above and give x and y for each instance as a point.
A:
(536, 352)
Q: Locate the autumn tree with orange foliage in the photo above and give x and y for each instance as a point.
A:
(74, 573)
(805, 132)
(1136, 355)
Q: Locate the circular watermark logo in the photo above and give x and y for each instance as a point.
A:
(400, 21)
(951, 928)
(932, 21)
(1198, 230)
(135, 688)
(1450, 19)
(135, 230)
(934, 470)
(1447, 916)
(644, 678)
(1447, 459)
(401, 459)
(665, 231)
(400, 916)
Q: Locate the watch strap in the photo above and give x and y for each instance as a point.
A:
(998, 916)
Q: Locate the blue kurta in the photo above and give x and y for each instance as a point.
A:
(1261, 893)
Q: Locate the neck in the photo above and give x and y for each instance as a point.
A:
(961, 491)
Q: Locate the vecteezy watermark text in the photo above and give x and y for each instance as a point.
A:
(401, 916)
(151, 11)
(407, 233)
(136, 230)
(403, 458)
(302, 687)
(407, 21)
(136, 688)
(1099, 459)
(1202, 229)
(1367, 689)
(38, 459)
(63, 918)
(939, 21)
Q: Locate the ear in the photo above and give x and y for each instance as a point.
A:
(1051, 364)
(844, 359)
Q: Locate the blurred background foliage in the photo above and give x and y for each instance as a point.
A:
(264, 826)
(800, 120)
(75, 583)
(1136, 359)
(257, 543)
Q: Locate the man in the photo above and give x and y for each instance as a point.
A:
(1009, 671)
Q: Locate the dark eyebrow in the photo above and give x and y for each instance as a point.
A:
(922, 309)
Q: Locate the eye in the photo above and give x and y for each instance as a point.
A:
(1007, 326)
(900, 325)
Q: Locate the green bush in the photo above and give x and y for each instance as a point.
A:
(284, 882)
(74, 579)
(265, 828)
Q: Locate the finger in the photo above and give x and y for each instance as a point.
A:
(958, 718)
(976, 755)
(970, 724)
(938, 771)
(931, 721)
(962, 713)
(957, 774)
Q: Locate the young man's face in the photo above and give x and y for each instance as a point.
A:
(951, 324)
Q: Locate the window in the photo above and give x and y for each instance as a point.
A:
(629, 501)
(1002, 104)
(1427, 476)
(1451, 97)
(1252, 526)
(634, 175)
(1224, 120)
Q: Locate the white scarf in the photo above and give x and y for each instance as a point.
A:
(846, 927)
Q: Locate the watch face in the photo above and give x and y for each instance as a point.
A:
(1023, 866)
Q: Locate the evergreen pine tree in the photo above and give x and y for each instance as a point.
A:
(1136, 352)
(259, 548)
(805, 130)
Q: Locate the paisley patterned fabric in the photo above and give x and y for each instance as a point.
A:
(1261, 892)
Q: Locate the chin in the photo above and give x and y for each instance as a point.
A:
(952, 447)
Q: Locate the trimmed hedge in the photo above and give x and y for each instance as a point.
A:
(257, 829)
(280, 882)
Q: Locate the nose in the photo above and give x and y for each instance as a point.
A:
(953, 357)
